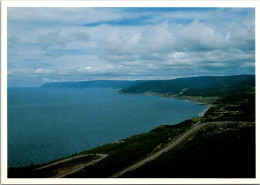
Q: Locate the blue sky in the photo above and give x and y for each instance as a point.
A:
(74, 44)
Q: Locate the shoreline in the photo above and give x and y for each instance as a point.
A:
(203, 112)
(143, 94)
(209, 105)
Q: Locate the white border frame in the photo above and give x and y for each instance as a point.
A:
(117, 3)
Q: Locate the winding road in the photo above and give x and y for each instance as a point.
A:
(168, 147)
(134, 166)
(63, 161)
(80, 167)
(171, 145)
(75, 168)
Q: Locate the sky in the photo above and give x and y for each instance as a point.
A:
(78, 44)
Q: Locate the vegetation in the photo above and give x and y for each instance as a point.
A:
(125, 152)
(225, 148)
(121, 154)
(218, 151)
(195, 86)
(33, 171)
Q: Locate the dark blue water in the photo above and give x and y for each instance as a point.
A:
(47, 124)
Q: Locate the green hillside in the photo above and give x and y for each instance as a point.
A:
(225, 148)
(220, 150)
(194, 86)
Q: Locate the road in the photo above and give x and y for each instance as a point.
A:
(76, 168)
(171, 145)
(62, 161)
(136, 165)
(80, 167)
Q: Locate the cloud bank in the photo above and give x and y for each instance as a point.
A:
(67, 44)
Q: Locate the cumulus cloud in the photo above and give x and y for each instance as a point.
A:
(59, 44)
(174, 45)
(148, 42)
(197, 36)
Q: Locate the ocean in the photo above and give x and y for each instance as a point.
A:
(45, 124)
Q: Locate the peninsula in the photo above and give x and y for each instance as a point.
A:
(218, 144)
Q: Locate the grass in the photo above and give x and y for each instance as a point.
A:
(130, 150)
(223, 150)
(212, 153)
(31, 172)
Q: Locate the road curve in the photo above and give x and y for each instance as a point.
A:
(63, 161)
(171, 145)
(80, 167)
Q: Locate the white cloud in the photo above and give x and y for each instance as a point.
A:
(177, 55)
(54, 44)
(43, 71)
(149, 40)
(87, 68)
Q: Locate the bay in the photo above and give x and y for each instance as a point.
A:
(47, 124)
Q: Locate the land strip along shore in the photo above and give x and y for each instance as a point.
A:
(226, 112)
(153, 156)
(80, 167)
(69, 159)
(208, 101)
(75, 168)
(168, 147)
(68, 171)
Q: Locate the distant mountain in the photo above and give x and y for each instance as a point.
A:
(114, 84)
(195, 86)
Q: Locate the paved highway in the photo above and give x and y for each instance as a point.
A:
(63, 161)
(80, 167)
(171, 145)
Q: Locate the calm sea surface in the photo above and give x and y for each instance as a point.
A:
(47, 124)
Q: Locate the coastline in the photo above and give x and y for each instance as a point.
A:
(203, 112)
(200, 115)
(144, 94)
(188, 99)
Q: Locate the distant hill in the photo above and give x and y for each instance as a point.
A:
(195, 86)
(192, 86)
(114, 84)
